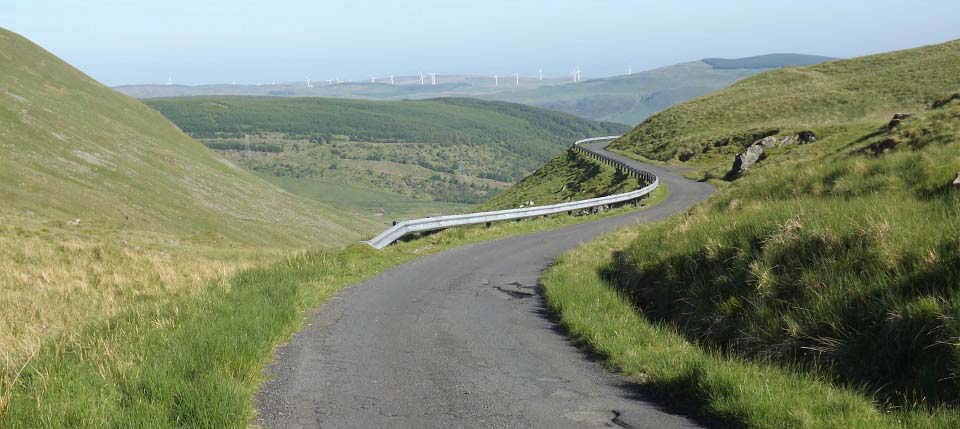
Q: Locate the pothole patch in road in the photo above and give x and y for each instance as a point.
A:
(516, 290)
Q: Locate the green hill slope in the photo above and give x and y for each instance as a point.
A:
(871, 87)
(631, 99)
(836, 257)
(76, 149)
(408, 149)
(106, 208)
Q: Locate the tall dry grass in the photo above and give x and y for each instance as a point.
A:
(55, 282)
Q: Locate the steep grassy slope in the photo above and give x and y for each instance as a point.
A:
(106, 207)
(631, 99)
(411, 149)
(868, 88)
(75, 149)
(836, 258)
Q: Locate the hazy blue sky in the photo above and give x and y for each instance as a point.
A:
(128, 41)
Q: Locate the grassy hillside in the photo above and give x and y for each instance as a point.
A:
(107, 206)
(869, 88)
(409, 149)
(835, 259)
(75, 149)
(567, 177)
(631, 99)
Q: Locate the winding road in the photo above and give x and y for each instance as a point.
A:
(461, 339)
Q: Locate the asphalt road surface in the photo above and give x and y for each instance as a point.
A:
(460, 339)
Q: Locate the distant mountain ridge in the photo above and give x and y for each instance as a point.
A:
(626, 99)
(629, 99)
(768, 61)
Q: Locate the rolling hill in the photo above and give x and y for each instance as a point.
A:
(630, 99)
(76, 149)
(837, 92)
(407, 153)
(106, 208)
(836, 258)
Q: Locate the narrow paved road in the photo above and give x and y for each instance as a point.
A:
(460, 339)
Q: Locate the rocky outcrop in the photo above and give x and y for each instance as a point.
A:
(769, 141)
(898, 119)
(754, 152)
(745, 160)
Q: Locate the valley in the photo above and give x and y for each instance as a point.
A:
(398, 158)
(783, 249)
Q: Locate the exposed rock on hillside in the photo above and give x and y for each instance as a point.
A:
(745, 160)
(769, 141)
(754, 152)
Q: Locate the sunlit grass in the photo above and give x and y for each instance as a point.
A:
(723, 390)
(179, 340)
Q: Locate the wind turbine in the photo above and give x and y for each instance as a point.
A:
(330, 82)
(170, 80)
(309, 84)
(338, 80)
(629, 70)
(433, 78)
(496, 80)
(517, 75)
(373, 79)
(391, 79)
(421, 78)
(541, 74)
